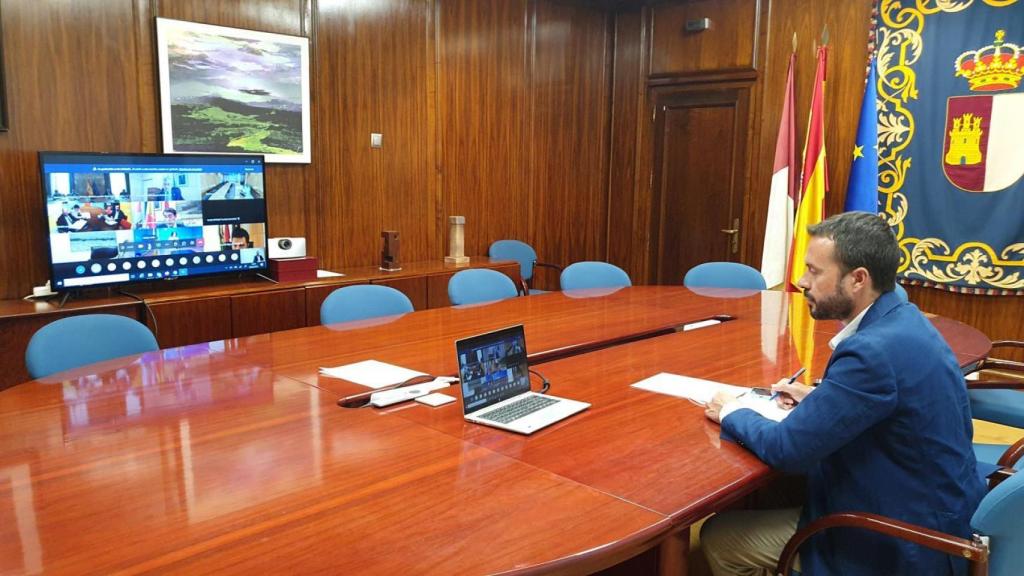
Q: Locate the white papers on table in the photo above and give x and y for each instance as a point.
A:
(701, 392)
(371, 373)
(701, 324)
(377, 374)
(327, 274)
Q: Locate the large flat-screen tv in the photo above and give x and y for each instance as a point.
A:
(124, 218)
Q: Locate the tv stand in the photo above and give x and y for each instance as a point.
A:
(67, 295)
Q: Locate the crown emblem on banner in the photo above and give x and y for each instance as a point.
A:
(998, 66)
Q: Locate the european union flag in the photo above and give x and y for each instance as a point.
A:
(862, 189)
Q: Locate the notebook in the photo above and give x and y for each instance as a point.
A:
(496, 384)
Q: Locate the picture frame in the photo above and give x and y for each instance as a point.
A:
(233, 91)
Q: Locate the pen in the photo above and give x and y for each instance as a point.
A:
(791, 380)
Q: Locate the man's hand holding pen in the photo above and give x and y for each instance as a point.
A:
(787, 393)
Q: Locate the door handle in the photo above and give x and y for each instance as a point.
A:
(734, 233)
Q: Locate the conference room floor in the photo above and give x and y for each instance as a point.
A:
(233, 456)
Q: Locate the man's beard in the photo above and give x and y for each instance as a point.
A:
(836, 306)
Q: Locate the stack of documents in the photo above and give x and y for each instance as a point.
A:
(702, 391)
(377, 374)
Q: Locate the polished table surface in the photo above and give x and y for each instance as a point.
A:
(233, 456)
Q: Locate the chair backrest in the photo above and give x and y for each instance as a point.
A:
(998, 517)
(363, 301)
(480, 285)
(724, 275)
(515, 250)
(902, 293)
(583, 275)
(79, 340)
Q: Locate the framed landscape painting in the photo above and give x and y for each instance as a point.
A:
(226, 90)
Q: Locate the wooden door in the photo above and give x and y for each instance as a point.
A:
(700, 168)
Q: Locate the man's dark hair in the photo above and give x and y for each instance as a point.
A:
(170, 211)
(240, 233)
(863, 240)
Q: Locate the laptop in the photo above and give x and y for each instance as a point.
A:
(496, 384)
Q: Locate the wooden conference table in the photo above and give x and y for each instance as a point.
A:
(233, 456)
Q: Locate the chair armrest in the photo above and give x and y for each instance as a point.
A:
(552, 266)
(1000, 364)
(1008, 344)
(1012, 455)
(995, 384)
(975, 551)
(997, 477)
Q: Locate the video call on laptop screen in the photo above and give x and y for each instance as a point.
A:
(493, 368)
(118, 218)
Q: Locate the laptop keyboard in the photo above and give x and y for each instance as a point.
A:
(519, 408)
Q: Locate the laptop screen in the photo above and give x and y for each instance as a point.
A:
(492, 367)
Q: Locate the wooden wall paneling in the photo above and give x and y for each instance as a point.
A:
(347, 170)
(626, 111)
(570, 96)
(149, 80)
(730, 43)
(415, 288)
(275, 16)
(406, 99)
(696, 189)
(191, 321)
(312, 194)
(71, 84)
(483, 51)
(848, 23)
(268, 312)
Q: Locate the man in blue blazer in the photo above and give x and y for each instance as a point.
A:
(888, 431)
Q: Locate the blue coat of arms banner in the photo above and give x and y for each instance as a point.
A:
(951, 140)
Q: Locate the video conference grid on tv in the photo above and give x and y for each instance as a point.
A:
(140, 218)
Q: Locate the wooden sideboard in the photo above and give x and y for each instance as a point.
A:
(215, 309)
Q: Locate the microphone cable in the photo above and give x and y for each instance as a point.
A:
(545, 385)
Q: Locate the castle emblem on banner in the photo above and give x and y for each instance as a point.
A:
(984, 135)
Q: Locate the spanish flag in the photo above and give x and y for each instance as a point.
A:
(814, 177)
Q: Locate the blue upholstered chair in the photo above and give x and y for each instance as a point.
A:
(999, 400)
(583, 275)
(480, 285)
(526, 256)
(997, 517)
(363, 301)
(902, 293)
(79, 340)
(724, 275)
